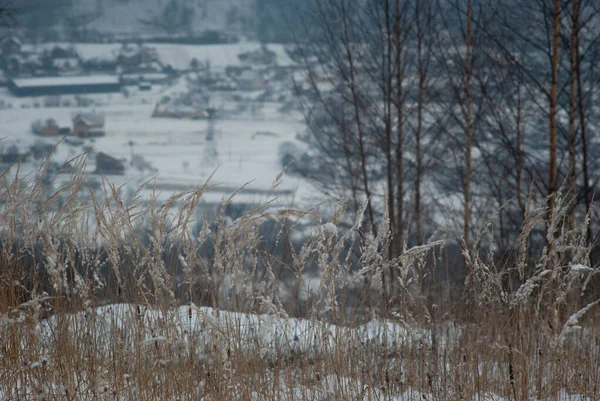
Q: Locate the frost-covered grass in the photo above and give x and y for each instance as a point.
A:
(151, 309)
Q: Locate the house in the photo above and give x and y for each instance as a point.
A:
(11, 56)
(189, 105)
(236, 70)
(32, 64)
(11, 46)
(251, 80)
(52, 86)
(136, 55)
(66, 64)
(13, 64)
(48, 127)
(144, 86)
(262, 56)
(106, 164)
(101, 64)
(172, 110)
(59, 52)
(90, 124)
(13, 155)
(41, 149)
(150, 77)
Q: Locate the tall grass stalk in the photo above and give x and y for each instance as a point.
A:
(107, 298)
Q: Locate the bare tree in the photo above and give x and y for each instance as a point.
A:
(572, 182)
(457, 60)
(399, 42)
(8, 10)
(552, 111)
(582, 120)
(469, 123)
(455, 102)
(422, 20)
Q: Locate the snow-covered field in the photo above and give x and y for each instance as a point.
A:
(177, 56)
(205, 327)
(236, 347)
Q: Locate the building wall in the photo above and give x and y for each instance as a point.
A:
(80, 130)
(49, 131)
(62, 89)
(11, 47)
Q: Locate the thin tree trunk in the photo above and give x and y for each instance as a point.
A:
(387, 101)
(388, 128)
(582, 120)
(582, 127)
(419, 130)
(400, 129)
(572, 180)
(553, 171)
(469, 118)
(347, 155)
(359, 125)
(519, 129)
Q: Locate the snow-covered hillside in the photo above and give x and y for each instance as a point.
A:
(160, 16)
(100, 20)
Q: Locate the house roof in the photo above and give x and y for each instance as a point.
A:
(67, 81)
(132, 50)
(68, 62)
(180, 108)
(32, 58)
(248, 75)
(145, 76)
(129, 50)
(13, 39)
(90, 118)
(50, 122)
(16, 57)
(261, 55)
(64, 49)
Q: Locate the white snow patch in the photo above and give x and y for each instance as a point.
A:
(579, 267)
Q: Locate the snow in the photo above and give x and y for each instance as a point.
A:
(329, 228)
(176, 149)
(67, 81)
(220, 56)
(147, 76)
(579, 267)
(270, 334)
(180, 56)
(418, 249)
(127, 18)
(170, 155)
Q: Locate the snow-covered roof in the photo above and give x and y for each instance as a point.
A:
(16, 57)
(32, 58)
(180, 56)
(181, 108)
(146, 76)
(13, 39)
(67, 81)
(129, 50)
(248, 75)
(90, 118)
(68, 62)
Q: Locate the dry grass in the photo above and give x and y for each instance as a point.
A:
(524, 331)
